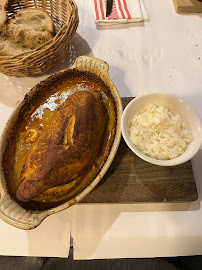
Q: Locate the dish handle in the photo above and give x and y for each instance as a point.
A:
(94, 65)
(15, 215)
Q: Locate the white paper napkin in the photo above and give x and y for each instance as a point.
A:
(134, 231)
(123, 12)
(50, 239)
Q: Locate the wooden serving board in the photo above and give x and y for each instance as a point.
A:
(131, 180)
(188, 6)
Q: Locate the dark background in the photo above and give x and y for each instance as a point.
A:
(37, 263)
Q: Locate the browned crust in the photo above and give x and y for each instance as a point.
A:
(67, 148)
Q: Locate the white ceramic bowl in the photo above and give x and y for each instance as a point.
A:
(176, 105)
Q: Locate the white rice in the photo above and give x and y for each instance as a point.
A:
(159, 133)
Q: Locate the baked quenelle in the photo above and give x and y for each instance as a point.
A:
(67, 149)
(60, 140)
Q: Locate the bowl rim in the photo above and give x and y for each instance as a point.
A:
(173, 162)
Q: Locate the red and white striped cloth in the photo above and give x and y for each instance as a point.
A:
(123, 11)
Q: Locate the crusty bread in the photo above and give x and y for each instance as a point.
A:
(30, 26)
(9, 48)
(3, 16)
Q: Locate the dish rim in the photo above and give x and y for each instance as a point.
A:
(13, 213)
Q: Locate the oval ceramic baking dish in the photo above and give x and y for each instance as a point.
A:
(16, 214)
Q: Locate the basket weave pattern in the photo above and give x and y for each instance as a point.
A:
(65, 17)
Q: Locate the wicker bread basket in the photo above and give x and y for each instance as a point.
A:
(65, 17)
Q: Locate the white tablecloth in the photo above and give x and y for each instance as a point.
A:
(164, 54)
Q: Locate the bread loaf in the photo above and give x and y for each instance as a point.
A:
(30, 26)
(3, 16)
(8, 48)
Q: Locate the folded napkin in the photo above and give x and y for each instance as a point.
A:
(123, 12)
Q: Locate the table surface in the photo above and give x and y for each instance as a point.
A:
(162, 55)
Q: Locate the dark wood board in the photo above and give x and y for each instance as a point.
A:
(188, 6)
(130, 180)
